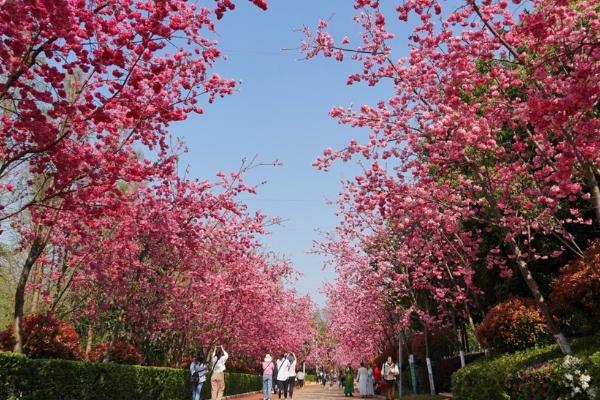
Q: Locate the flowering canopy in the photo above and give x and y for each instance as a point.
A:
(88, 180)
(492, 116)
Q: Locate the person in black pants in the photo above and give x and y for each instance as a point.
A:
(292, 375)
(283, 365)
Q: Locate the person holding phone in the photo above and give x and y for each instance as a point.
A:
(283, 374)
(217, 380)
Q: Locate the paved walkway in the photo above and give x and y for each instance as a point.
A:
(312, 392)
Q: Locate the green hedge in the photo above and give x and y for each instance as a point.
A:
(236, 383)
(310, 378)
(595, 367)
(32, 379)
(488, 378)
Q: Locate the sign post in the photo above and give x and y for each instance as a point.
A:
(413, 373)
(430, 373)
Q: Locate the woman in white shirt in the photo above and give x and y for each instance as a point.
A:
(283, 374)
(389, 371)
(217, 380)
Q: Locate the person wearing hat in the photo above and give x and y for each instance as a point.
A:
(267, 367)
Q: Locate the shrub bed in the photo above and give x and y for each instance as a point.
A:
(515, 324)
(44, 336)
(31, 379)
(491, 379)
(122, 353)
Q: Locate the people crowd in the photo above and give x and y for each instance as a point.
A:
(369, 378)
(280, 376)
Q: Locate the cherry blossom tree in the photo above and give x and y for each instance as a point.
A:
(84, 85)
(469, 108)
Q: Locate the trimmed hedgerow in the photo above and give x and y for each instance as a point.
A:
(236, 383)
(29, 379)
(490, 379)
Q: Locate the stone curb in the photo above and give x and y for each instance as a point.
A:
(237, 396)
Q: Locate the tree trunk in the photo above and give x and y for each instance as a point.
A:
(89, 340)
(113, 336)
(35, 299)
(34, 252)
(428, 362)
(465, 337)
(399, 364)
(540, 300)
(592, 183)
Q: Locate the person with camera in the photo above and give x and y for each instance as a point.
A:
(217, 380)
(283, 375)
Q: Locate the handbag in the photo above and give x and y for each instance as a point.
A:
(199, 376)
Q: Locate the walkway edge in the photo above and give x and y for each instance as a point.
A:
(237, 396)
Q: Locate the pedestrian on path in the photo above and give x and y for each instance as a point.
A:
(217, 380)
(389, 370)
(268, 365)
(332, 380)
(348, 381)
(198, 369)
(274, 383)
(292, 375)
(370, 382)
(300, 377)
(362, 377)
(377, 379)
(283, 365)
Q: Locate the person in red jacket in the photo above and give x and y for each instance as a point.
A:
(377, 379)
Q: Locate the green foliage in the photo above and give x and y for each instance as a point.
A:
(310, 378)
(490, 378)
(594, 362)
(28, 379)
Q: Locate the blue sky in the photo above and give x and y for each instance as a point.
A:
(280, 112)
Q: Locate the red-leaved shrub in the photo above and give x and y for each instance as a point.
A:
(513, 325)
(122, 352)
(575, 295)
(44, 336)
